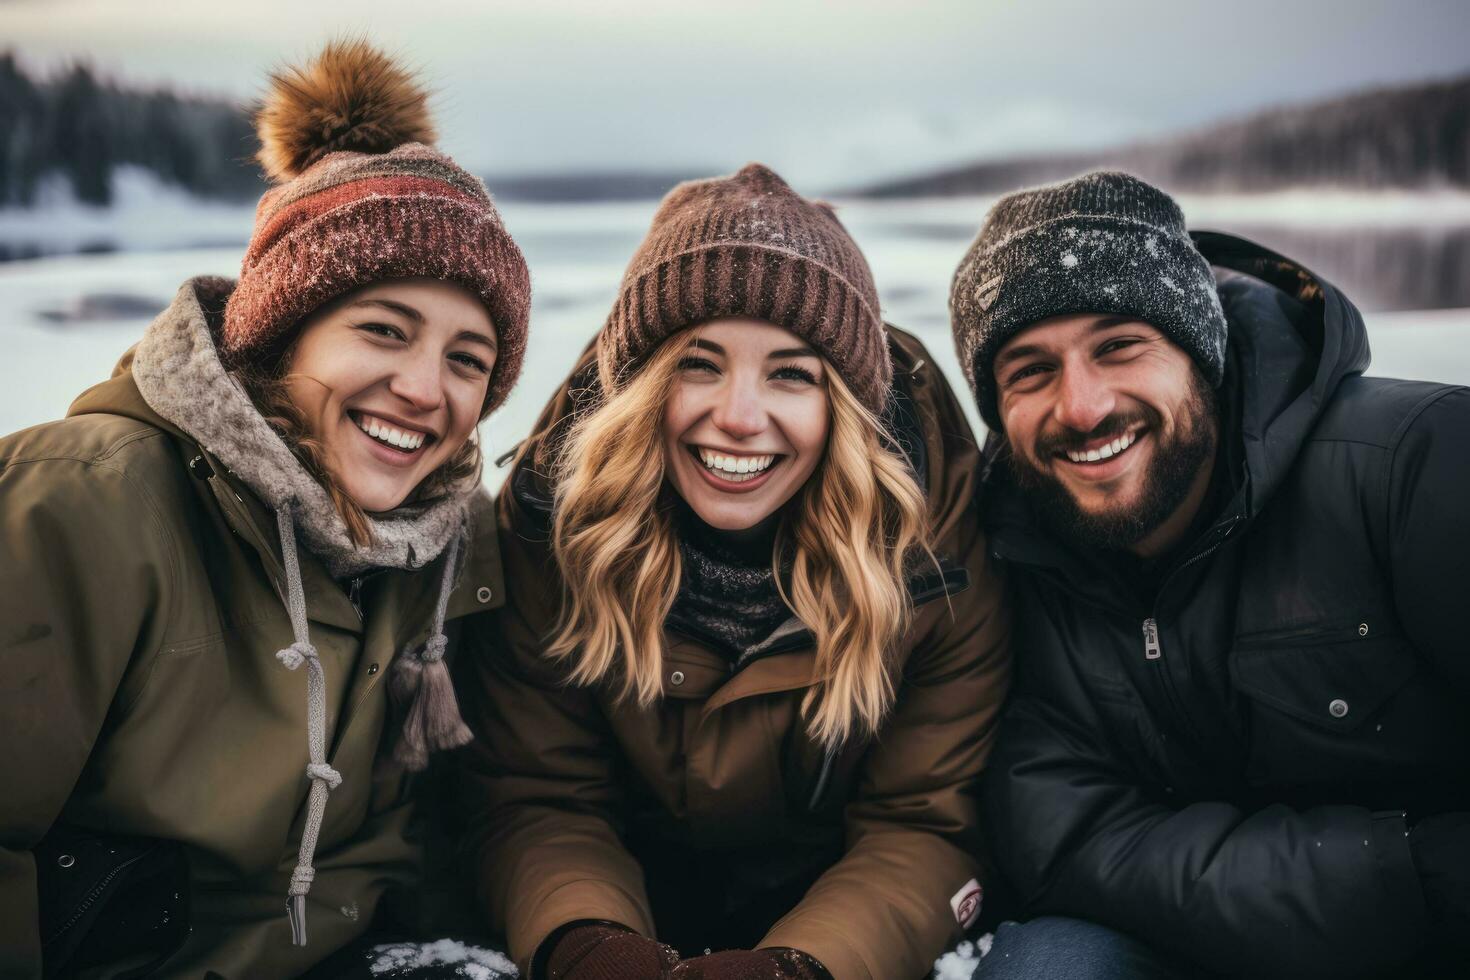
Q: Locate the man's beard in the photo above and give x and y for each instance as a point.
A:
(1174, 468)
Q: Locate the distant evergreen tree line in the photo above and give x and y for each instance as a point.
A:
(1400, 138)
(82, 127)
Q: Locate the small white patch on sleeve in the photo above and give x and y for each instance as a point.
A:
(1069, 260)
(966, 903)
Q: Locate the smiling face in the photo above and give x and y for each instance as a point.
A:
(391, 379)
(1111, 424)
(746, 421)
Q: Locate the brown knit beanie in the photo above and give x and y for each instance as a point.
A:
(748, 245)
(361, 197)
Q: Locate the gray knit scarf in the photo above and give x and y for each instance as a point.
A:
(178, 371)
(727, 591)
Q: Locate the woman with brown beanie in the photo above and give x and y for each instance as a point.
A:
(216, 568)
(750, 662)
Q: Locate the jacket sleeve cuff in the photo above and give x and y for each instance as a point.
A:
(840, 960)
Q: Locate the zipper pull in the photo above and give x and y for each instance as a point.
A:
(1151, 648)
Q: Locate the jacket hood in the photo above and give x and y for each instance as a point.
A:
(174, 379)
(1293, 339)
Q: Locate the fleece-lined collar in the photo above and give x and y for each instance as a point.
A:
(178, 371)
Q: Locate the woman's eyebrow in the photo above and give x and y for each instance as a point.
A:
(791, 352)
(480, 338)
(708, 345)
(402, 309)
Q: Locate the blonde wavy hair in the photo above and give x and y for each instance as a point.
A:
(850, 535)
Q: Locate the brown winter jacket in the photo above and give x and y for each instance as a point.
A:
(713, 811)
(140, 692)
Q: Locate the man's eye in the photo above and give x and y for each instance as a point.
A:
(1113, 346)
(1029, 371)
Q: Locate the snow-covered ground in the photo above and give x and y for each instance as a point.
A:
(64, 320)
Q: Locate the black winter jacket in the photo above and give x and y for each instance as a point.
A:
(1224, 769)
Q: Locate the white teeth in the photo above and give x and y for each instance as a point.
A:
(737, 469)
(383, 432)
(1106, 451)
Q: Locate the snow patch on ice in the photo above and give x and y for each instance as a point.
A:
(961, 962)
(469, 961)
(145, 213)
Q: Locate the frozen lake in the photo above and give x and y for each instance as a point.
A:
(54, 348)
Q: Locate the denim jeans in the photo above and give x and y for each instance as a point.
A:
(1058, 948)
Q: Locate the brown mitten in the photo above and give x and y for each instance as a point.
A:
(752, 964)
(604, 952)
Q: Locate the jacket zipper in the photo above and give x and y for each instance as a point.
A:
(1153, 648)
(92, 896)
(1153, 651)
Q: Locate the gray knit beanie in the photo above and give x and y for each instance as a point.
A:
(1100, 243)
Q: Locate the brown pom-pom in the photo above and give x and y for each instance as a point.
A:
(351, 97)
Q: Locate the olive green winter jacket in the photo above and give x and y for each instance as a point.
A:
(140, 692)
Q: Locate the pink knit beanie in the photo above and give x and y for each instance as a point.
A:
(362, 196)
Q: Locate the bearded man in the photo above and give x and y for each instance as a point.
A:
(1239, 737)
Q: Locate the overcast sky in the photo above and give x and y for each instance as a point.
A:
(827, 93)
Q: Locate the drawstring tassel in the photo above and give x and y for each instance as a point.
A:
(421, 680)
(433, 721)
